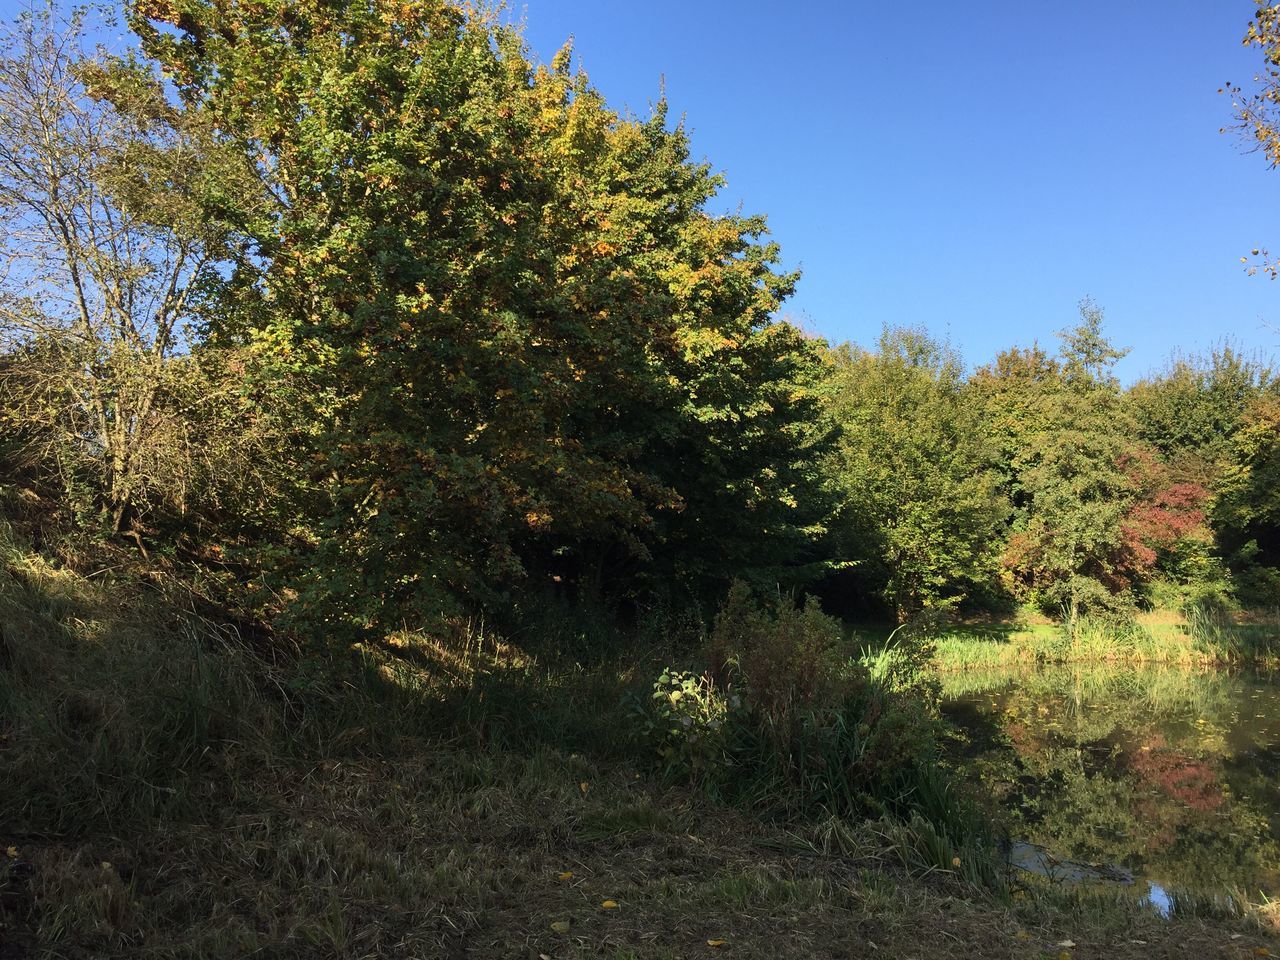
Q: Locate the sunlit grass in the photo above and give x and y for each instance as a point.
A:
(1165, 637)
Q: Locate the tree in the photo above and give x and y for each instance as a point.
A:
(99, 271)
(1258, 110)
(1010, 398)
(522, 348)
(920, 514)
(1247, 511)
(1191, 411)
(1068, 550)
(1202, 415)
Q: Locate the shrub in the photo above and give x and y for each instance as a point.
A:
(787, 660)
(786, 723)
(689, 720)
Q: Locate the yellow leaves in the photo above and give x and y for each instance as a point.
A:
(717, 943)
(609, 905)
(566, 875)
(584, 786)
(955, 861)
(1261, 952)
(560, 926)
(12, 853)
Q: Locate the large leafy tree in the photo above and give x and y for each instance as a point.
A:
(1202, 416)
(921, 514)
(517, 342)
(1011, 398)
(1068, 551)
(1191, 411)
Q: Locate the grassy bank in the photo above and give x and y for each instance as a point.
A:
(170, 794)
(1162, 637)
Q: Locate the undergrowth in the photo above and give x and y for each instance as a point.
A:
(169, 793)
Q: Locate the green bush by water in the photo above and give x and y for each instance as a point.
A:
(785, 723)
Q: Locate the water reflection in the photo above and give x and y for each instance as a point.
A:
(1174, 775)
(1159, 899)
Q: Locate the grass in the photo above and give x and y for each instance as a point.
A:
(1160, 637)
(168, 794)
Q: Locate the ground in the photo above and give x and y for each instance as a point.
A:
(453, 854)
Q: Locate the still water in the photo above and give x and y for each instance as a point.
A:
(1171, 774)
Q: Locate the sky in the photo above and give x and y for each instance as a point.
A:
(974, 168)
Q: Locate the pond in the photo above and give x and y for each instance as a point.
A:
(1173, 775)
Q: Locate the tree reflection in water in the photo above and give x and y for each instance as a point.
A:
(1172, 774)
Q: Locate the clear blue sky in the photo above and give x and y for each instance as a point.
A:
(976, 168)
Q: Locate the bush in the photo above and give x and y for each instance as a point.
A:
(689, 720)
(783, 721)
(787, 660)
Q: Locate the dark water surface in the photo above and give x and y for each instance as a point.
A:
(1171, 774)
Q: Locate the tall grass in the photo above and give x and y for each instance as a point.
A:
(115, 706)
(1200, 638)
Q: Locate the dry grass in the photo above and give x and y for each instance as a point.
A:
(453, 855)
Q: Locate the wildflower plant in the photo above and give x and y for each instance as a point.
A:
(688, 720)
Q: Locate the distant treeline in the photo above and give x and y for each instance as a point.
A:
(375, 321)
(1038, 479)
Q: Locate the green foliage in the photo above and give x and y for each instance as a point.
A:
(688, 720)
(1067, 548)
(920, 516)
(1247, 512)
(1192, 411)
(786, 723)
(787, 659)
(521, 346)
